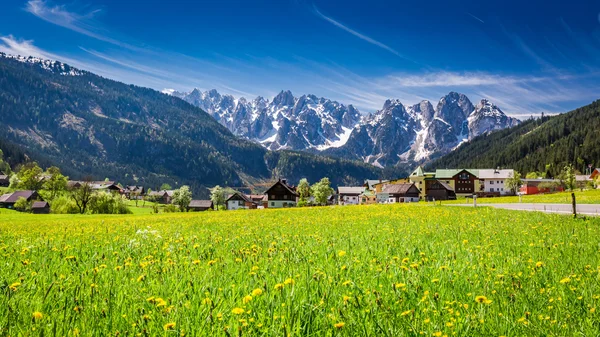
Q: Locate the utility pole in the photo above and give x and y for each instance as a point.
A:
(574, 205)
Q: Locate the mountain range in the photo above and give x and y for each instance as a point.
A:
(89, 125)
(396, 134)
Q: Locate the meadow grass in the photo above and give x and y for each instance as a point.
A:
(582, 197)
(390, 270)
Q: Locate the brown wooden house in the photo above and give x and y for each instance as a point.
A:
(464, 182)
(200, 205)
(40, 207)
(438, 190)
(8, 200)
(4, 180)
(395, 193)
(281, 195)
(240, 201)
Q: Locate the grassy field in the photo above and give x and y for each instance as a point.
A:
(390, 270)
(582, 197)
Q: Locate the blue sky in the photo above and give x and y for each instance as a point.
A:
(526, 56)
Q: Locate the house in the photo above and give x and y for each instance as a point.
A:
(535, 186)
(418, 177)
(40, 207)
(349, 195)
(582, 181)
(494, 181)
(281, 195)
(439, 190)
(8, 200)
(368, 197)
(134, 192)
(463, 181)
(162, 197)
(4, 180)
(398, 193)
(200, 205)
(240, 201)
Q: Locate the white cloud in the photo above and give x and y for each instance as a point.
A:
(81, 23)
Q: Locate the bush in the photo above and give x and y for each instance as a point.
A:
(22, 205)
(64, 205)
(170, 208)
(108, 203)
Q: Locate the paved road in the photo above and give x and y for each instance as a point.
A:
(585, 209)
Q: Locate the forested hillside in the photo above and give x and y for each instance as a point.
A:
(89, 125)
(545, 145)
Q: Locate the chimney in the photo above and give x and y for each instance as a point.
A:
(284, 181)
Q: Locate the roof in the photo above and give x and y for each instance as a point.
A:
(241, 195)
(351, 189)
(201, 203)
(3, 177)
(256, 197)
(446, 186)
(397, 188)
(581, 177)
(372, 182)
(158, 193)
(418, 172)
(449, 173)
(283, 183)
(40, 204)
(496, 174)
(540, 180)
(13, 197)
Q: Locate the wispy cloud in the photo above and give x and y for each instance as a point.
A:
(83, 23)
(359, 35)
(474, 17)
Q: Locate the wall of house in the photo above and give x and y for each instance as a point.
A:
(495, 185)
(236, 204)
(280, 204)
(349, 200)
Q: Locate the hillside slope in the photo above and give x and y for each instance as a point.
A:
(89, 125)
(535, 145)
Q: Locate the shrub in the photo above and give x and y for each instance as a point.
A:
(170, 208)
(22, 205)
(64, 205)
(108, 203)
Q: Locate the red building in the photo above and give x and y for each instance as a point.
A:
(536, 186)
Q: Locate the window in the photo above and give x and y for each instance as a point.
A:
(491, 182)
(272, 204)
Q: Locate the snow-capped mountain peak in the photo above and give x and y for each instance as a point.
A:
(49, 65)
(395, 134)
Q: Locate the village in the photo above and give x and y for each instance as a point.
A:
(420, 185)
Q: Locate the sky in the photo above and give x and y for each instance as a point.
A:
(527, 57)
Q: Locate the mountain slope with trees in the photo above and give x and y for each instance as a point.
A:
(89, 125)
(543, 145)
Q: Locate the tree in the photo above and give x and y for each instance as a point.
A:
(165, 187)
(182, 198)
(321, 191)
(303, 190)
(217, 196)
(567, 177)
(514, 182)
(29, 177)
(532, 175)
(55, 183)
(108, 203)
(4, 166)
(82, 196)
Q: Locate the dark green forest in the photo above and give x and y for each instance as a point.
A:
(545, 145)
(92, 126)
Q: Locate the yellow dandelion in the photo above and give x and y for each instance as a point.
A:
(279, 286)
(341, 253)
(257, 292)
(247, 299)
(169, 326)
(482, 299)
(339, 325)
(237, 311)
(37, 315)
(288, 281)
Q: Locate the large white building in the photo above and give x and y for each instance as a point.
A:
(350, 195)
(495, 180)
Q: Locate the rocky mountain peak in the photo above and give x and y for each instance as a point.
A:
(284, 98)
